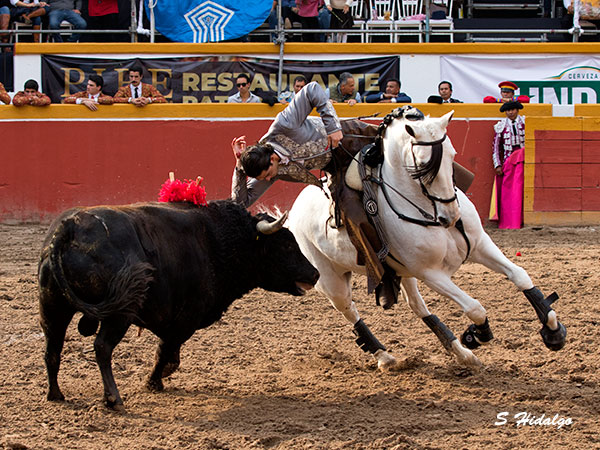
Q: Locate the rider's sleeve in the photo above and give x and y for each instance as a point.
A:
(293, 117)
(245, 191)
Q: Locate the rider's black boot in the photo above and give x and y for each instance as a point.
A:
(386, 293)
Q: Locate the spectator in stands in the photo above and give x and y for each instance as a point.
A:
(391, 94)
(244, 95)
(29, 12)
(4, 22)
(287, 96)
(445, 91)
(69, 10)
(344, 91)
(103, 15)
(92, 96)
(4, 97)
(508, 158)
(341, 18)
(308, 10)
(507, 94)
(136, 92)
(31, 95)
(288, 14)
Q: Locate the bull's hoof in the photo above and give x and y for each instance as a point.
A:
(554, 339)
(55, 396)
(155, 385)
(116, 404)
(169, 369)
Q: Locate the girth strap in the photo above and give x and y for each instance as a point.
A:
(370, 205)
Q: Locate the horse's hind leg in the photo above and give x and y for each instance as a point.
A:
(443, 333)
(338, 291)
(553, 332)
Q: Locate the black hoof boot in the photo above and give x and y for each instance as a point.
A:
(476, 335)
(365, 339)
(554, 339)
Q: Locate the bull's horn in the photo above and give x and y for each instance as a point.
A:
(266, 227)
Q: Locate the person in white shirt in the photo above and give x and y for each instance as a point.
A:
(244, 95)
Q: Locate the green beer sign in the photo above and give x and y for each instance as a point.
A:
(574, 85)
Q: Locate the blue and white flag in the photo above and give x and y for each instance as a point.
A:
(208, 20)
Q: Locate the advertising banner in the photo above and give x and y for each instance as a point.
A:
(209, 79)
(556, 79)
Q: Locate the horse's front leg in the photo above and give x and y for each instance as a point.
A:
(443, 333)
(338, 291)
(554, 334)
(479, 332)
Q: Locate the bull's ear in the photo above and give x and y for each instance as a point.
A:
(410, 130)
(266, 227)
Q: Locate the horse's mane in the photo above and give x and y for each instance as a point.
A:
(428, 171)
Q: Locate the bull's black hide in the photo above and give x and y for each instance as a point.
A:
(172, 268)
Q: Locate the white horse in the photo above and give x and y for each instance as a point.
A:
(419, 209)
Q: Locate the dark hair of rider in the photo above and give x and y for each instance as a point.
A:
(256, 159)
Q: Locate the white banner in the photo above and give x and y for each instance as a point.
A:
(556, 79)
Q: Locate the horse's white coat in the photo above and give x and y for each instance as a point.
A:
(431, 254)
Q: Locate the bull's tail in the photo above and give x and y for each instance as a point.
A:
(126, 290)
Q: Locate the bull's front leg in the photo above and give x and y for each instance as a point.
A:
(111, 333)
(553, 332)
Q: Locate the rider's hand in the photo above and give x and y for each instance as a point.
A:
(498, 170)
(334, 139)
(238, 145)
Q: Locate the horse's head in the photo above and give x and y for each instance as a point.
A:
(425, 151)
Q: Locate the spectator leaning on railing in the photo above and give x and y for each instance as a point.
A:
(92, 96)
(344, 91)
(31, 95)
(391, 94)
(136, 92)
(4, 97)
(244, 95)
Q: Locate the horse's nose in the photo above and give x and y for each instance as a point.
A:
(446, 223)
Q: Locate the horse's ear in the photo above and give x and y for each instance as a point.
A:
(446, 118)
(410, 131)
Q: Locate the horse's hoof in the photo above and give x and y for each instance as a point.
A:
(554, 339)
(385, 361)
(466, 357)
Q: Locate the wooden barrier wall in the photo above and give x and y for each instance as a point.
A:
(60, 156)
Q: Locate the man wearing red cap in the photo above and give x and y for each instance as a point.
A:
(508, 156)
(507, 94)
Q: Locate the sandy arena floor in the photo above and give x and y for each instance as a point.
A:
(282, 372)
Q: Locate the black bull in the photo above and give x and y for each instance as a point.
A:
(172, 268)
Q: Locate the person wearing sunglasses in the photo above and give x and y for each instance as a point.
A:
(244, 95)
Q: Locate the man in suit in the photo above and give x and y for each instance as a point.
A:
(136, 92)
(445, 90)
(31, 95)
(92, 96)
(392, 94)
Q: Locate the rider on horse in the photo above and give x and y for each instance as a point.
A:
(296, 144)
